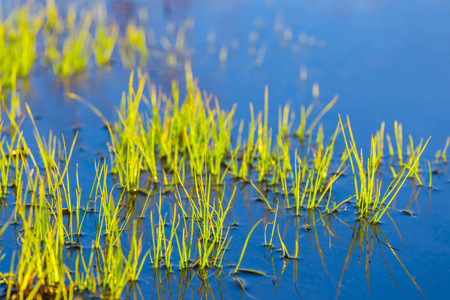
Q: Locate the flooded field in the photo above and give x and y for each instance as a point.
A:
(224, 149)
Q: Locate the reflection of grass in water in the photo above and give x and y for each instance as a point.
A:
(365, 237)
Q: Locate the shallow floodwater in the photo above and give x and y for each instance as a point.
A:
(387, 61)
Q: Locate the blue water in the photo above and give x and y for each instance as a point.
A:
(387, 61)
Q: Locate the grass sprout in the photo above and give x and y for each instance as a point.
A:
(370, 200)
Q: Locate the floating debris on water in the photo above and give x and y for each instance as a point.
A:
(302, 38)
(189, 23)
(258, 23)
(311, 41)
(170, 28)
(253, 37)
(260, 56)
(315, 90)
(165, 43)
(278, 26)
(143, 15)
(211, 38)
(304, 74)
(321, 44)
(287, 34)
(223, 54)
(171, 60)
(179, 42)
(234, 44)
(151, 38)
(296, 48)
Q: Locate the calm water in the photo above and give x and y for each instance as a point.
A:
(387, 60)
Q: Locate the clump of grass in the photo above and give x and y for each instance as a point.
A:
(5, 166)
(51, 226)
(133, 42)
(40, 256)
(442, 153)
(285, 121)
(53, 20)
(68, 42)
(162, 246)
(209, 216)
(40, 269)
(115, 268)
(315, 181)
(105, 37)
(302, 132)
(125, 146)
(76, 50)
(412, 152)
(11, 160)
(18, 35)
(370, 202)
(195, 130)
(176, 134)
(304, 114)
